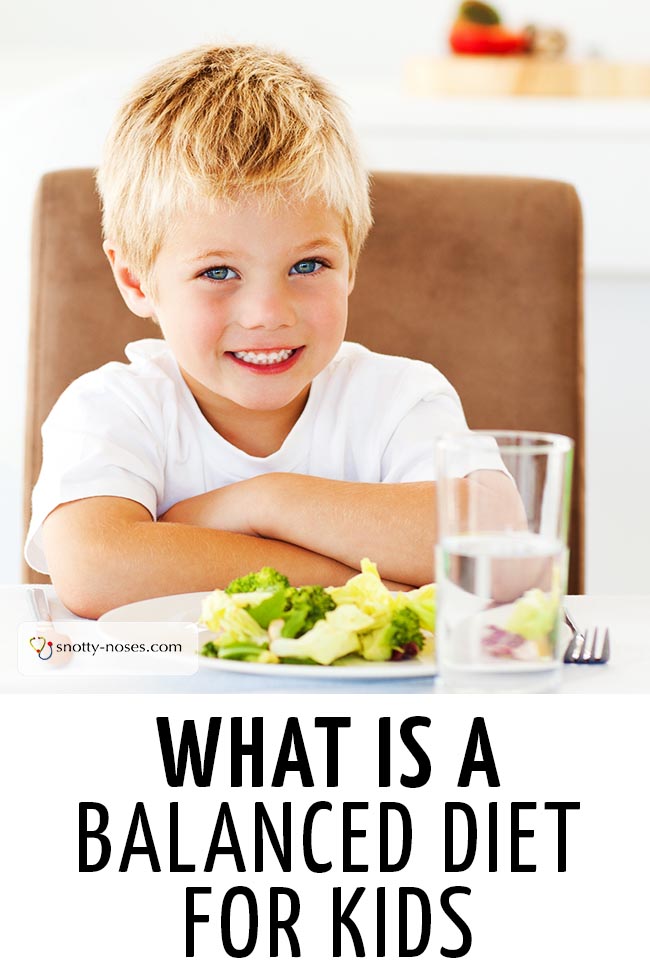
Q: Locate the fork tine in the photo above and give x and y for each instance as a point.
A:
(587, 648)
(591, 657)
(604, 656)
(570, 655)
(599, 652)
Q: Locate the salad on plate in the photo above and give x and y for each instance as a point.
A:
(262, 618)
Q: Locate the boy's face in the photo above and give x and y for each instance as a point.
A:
(253, 303)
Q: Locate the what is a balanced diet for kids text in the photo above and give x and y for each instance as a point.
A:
(393, 875)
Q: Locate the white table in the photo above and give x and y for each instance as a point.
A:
(628, 618)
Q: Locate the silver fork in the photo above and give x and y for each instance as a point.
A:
(41, 609)
(40, 605)
(586, 648)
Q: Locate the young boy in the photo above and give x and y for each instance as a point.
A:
(235, 207)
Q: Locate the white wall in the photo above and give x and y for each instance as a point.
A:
(64, 66)
(340, 37)
(617, 408)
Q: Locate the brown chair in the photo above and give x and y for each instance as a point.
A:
(480, 275)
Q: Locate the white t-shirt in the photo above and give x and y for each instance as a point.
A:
(135, 431)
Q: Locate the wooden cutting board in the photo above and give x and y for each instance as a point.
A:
(497, 76)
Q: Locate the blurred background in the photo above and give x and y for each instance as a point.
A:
(64, 68)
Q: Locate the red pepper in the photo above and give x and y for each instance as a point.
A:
(469, 38)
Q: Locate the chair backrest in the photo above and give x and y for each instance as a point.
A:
(480, 275)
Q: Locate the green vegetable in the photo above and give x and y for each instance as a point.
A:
(269, 609)
(236, 651)
(478, 13)
(352, 660)
(261, 617)
(365, 590)
(304, 607)
(329, 638)
(423, 602)
(230, 623)
(402, 628)
(299, 608)
(266, 578)
(534, 615)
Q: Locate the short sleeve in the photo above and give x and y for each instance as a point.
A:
(410, 452)
(95, 442)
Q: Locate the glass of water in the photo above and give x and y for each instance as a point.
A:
(503, 500)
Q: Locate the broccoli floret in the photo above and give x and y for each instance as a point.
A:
(303, 608)
(300, 608)
(401, 632)
(423, 602)
(267, 578)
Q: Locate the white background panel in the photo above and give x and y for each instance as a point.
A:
(58, 752)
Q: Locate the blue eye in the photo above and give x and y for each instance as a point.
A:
(219, 273)
(306, 267)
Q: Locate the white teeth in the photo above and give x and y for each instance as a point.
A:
(264, 358)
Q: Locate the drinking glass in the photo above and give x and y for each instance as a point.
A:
(503, 501)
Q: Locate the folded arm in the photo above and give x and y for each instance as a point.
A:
(103, 552)
(395, 525)
(392, 524)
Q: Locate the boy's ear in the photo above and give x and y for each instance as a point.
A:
(128, 283)
(352, 278)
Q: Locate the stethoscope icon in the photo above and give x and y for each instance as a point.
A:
(46, 656)
(44, 651)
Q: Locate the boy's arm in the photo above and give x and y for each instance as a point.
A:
(393, 524)
(103, 552)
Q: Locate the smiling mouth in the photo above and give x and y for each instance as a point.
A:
(268, 357)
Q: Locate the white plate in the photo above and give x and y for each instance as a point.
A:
(186, 608)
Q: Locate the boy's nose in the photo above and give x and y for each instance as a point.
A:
(268, 308)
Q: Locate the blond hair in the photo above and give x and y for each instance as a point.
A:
(219, 123)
